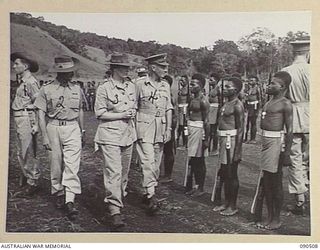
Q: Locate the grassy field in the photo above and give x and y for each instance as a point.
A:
(179, 213)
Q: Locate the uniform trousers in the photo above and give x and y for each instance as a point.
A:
(298, 177)
(65, 142)
(28, 161)
(117, 160)
(150, 155)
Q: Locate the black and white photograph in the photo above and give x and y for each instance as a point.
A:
(189, 122)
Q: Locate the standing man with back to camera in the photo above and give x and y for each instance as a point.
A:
(154, 116)
(298, 94)
(26, 120)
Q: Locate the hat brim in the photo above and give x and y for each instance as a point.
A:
(34, 67)
(120, 64)
(54, 69)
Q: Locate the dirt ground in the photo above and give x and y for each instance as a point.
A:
(179, 213)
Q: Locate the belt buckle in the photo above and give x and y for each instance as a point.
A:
(62, 123)
(158, 113)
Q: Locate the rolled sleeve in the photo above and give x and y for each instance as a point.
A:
(41, 101)
(100, 106)
(169, 102)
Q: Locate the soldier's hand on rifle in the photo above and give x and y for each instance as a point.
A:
(285, 158)
(35, 129)
(167, 135)
(205, 144)
(236, 157)
(46, 143)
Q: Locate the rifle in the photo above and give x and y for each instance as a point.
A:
(257, 203)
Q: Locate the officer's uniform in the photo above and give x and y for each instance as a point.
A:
(299, 95)
(153, 102)
(24, 118)
(115, 138)
(62, 105)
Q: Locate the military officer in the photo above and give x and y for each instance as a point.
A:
(299, 95)
(153, 121)
(61, 103)
(26, 121)
(115, 108)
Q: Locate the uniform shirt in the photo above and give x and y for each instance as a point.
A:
(298, 93)
(154, 100)
(116, 97)
(60, 102)
(26, 93)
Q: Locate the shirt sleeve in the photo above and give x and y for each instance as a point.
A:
(169, 102)
(33, 90)
(41, 100)
(100, 105)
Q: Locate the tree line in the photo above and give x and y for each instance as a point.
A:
(259, 53)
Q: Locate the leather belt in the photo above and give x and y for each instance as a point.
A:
(57, 122)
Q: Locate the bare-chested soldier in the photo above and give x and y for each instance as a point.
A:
(183, 99)
(230, 132)
(214, 93)
(198, 136)
(276, 114)
(253, 101)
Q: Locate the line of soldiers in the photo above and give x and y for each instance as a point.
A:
(144, 113)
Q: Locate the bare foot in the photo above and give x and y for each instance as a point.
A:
(273, 225)
(219, 208)
(229, 211)
(261, 224)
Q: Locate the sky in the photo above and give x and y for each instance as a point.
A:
(192, 30)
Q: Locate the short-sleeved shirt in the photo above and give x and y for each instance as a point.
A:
(299, 94)
(116, 97)
(60, 102)
(27, 92)
(154, 100)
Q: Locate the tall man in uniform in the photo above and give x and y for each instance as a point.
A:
(115, 108)
(26, 120)
(183, 100)
(153, 122)
(298, 93)
(61, 103)
(253, 101)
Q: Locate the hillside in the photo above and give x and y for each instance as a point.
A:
(44, 48)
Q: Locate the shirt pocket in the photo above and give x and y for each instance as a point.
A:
(75, 102)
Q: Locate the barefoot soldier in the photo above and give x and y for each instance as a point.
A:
(61, 123)
(183, 100)
(253, 100)
(276, 114)
(230, 132)
(169, 149)
(115, 109)
(298, 94)
(198, 136)
(214, 94)
(153, 122)
(26, 120)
